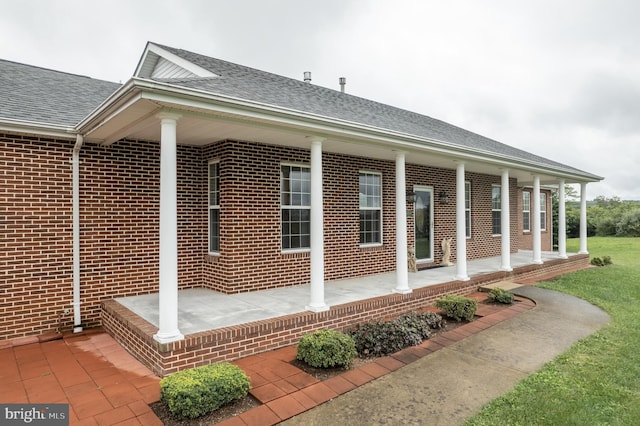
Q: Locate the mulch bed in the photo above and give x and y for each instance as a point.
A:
(248, 402)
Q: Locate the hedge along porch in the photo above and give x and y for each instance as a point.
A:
(184, 177)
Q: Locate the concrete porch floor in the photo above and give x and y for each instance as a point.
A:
(203, 309)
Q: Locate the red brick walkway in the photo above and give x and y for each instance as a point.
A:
(102, 383)
(105, 385)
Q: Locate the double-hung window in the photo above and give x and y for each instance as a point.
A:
(214, 207)
(467, 208)
(370, 208)
(295, 206)
(496, 209)
(526, 211)
(543, 211)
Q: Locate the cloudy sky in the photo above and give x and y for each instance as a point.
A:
(557, 78)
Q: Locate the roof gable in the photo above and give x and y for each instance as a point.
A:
(159, 63)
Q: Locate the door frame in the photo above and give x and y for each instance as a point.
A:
(416, 189)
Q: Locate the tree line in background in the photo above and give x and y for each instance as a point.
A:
(606, 217)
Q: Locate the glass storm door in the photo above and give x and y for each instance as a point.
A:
(423, 219)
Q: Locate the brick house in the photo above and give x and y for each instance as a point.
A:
(199, 173)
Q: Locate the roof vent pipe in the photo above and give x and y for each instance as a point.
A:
(342, 81)
(307, 76)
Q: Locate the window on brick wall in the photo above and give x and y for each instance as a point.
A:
(295, 206)
(467, 208)
(370, 208)
(214, 207)
(543, 211)
(496, 209)
(526, 211)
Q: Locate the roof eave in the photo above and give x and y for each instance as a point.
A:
(33, 127)
(166, 92)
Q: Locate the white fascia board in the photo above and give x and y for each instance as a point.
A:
(183, 63)
(88, 123)
(32, 127)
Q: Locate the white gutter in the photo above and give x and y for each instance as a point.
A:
(77, 327)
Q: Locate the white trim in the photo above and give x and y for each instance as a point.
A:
(543, 211)
(294, 207)
(494, 185)
(425, 188)
(468, 236)
(526, 230)
(213, 207)
(379, 209)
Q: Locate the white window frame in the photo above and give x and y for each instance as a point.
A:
(526, 209)
(370, 208)
(467, 208)
(290, 207)
(214, 205)
(543, 211)
(496, 207)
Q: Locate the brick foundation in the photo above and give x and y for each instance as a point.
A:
(231, 343)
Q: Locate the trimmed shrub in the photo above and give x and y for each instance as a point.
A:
(198, 391)
(500, 295)
(380, 338)
(326, 349)
(458, 307)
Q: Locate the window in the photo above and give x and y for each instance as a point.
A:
(214, 207)
(543, 211)
(496, 209)
(526, 211)
(295, 206)
(467, 208)
(370, 208)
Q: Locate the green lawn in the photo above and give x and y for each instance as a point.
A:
(597, 381)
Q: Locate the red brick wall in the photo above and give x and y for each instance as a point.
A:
(119, 186)
(35, 234)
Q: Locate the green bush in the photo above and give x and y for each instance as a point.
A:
(500, 295)
(198, 391)
(604, 261)
(326, 349)
(458, 307)
(380, 338)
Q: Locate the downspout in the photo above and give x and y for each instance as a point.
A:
(77, 327)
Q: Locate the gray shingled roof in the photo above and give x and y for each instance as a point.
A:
(29, 93)
(259, 86)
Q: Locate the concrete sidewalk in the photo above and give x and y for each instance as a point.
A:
(450, 385)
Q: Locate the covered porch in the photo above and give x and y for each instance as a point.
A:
(221, 327)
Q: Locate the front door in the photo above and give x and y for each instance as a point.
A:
(423, 215)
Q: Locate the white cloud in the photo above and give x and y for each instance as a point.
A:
(559, 79)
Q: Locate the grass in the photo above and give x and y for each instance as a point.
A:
(597, 381)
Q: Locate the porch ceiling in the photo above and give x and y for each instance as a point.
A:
(199, 125)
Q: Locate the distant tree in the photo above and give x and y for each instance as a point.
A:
(629, 225)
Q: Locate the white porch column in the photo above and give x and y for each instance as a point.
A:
(583, 219)
(402, 267)
(168, 297)
(461, 231)
(537, 238)
(505, 226)
(562, 222)
(316, 297)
